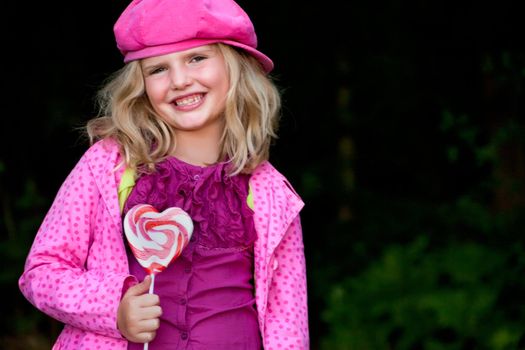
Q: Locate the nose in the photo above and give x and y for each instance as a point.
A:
(180, 78)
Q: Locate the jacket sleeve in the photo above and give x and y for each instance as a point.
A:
(287, 314)
(58, 278)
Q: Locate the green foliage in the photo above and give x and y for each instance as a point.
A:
(418, 297)
(465, 134)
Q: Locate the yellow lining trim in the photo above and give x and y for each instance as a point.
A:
(249, 199)
(126, 185)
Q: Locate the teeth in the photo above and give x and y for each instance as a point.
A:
(188, 100)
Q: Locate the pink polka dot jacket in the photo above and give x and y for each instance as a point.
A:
(77, 268)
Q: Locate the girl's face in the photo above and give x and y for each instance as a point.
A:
(188, 88)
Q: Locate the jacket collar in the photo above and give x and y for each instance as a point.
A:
(276, 206)
(105, 155)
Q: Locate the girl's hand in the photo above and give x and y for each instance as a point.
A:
(138, 313)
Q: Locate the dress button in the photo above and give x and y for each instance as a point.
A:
(183, 301)
(184, 335)
(196, 177)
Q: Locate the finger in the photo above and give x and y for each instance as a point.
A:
(148, 313)
(140, 288)
(148, 300)
(146, 326)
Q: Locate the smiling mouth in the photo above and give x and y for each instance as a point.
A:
(188, 100)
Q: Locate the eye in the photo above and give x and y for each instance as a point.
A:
(197, 58)
(156, 70)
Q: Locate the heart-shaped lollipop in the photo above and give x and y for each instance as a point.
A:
(156, 239)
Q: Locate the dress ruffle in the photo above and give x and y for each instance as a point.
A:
(216, 202)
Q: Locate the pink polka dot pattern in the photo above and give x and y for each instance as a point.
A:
(77, 267)
(77, 264)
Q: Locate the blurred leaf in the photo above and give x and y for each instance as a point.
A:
(413, 292)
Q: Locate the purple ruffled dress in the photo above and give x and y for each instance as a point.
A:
(207, 294)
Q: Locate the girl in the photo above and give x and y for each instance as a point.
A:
(187, 122)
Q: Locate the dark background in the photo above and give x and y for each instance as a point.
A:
(402, 130)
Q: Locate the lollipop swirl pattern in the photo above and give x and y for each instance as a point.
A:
(156, 239)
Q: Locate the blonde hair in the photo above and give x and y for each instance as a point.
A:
(251, 116)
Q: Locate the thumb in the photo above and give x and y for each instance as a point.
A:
(140, 288)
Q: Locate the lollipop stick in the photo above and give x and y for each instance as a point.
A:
(150, 292)
(151, 286)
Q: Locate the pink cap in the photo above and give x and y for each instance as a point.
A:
(149, 28)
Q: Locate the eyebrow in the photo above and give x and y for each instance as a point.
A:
(191, 52)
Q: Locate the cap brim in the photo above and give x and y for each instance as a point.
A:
(265, 61)
(151, 51)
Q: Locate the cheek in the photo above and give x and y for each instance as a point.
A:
(156, 89)
(221, 82)
(218, 77)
